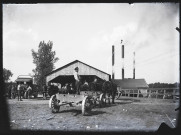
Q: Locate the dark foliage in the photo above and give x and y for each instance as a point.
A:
(44, 59)
(164, 85)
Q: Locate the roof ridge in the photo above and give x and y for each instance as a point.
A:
(72, 63)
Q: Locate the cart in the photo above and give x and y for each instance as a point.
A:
(86, 99)
(58, 100)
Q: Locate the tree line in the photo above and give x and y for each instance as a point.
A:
(44, 59)
(164, 85)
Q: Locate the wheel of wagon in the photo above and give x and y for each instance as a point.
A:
(53, 104)
(86, 105)
(102, 100)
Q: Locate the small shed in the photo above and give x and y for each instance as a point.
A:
(64, 74)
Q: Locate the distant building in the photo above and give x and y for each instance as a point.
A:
(131, 83)
(134, 85)
(24, 79)
(64, 74)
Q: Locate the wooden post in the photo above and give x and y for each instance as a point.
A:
(164, 94)
(156, 94)
(129, 93)
(149, 95)
(138, 93)
(174, 94)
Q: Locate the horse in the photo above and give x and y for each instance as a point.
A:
(109, 89)
(52, 90)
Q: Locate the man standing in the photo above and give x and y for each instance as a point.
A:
(44, 91)
(77, 80)
(29, 91)
(13, 92)
(59, 88)
(19, 92)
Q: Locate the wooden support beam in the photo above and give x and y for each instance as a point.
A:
(156, 94)
(164, 94)
(138, 93)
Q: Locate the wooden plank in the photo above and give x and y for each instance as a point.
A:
(128, 93)
(164, 94)
(70, 97)
(138, 93)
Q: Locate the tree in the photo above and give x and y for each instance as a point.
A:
(7, 74)
(44, 60)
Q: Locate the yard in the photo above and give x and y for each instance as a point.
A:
(135, 114)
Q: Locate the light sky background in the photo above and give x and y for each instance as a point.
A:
(86, 32)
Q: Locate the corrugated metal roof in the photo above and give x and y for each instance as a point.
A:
(131, 83)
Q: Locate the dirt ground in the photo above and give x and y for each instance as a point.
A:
(135, 114)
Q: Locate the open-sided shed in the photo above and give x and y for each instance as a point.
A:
(64, 74)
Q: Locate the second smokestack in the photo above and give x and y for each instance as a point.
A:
(122, 61)
(133, 65)
(113, 61)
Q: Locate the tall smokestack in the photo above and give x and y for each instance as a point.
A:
(113, 61)
(122, 61)
(133, 65)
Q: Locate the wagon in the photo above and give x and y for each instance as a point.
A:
(85, 99)
(90, 96)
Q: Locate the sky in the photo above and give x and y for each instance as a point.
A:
(86, 32)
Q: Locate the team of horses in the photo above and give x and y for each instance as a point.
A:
(108, 88)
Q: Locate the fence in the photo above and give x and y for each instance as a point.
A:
(161, 93)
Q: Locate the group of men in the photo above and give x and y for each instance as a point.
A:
(20, 89)
(68, 88)
(64, 88)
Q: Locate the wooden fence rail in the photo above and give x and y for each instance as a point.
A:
(163, 93)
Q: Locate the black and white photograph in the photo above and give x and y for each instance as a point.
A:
(91, 66)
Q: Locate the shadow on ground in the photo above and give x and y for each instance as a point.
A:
(79, 112)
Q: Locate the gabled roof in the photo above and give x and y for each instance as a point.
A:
(131, 83)
(73, 63)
